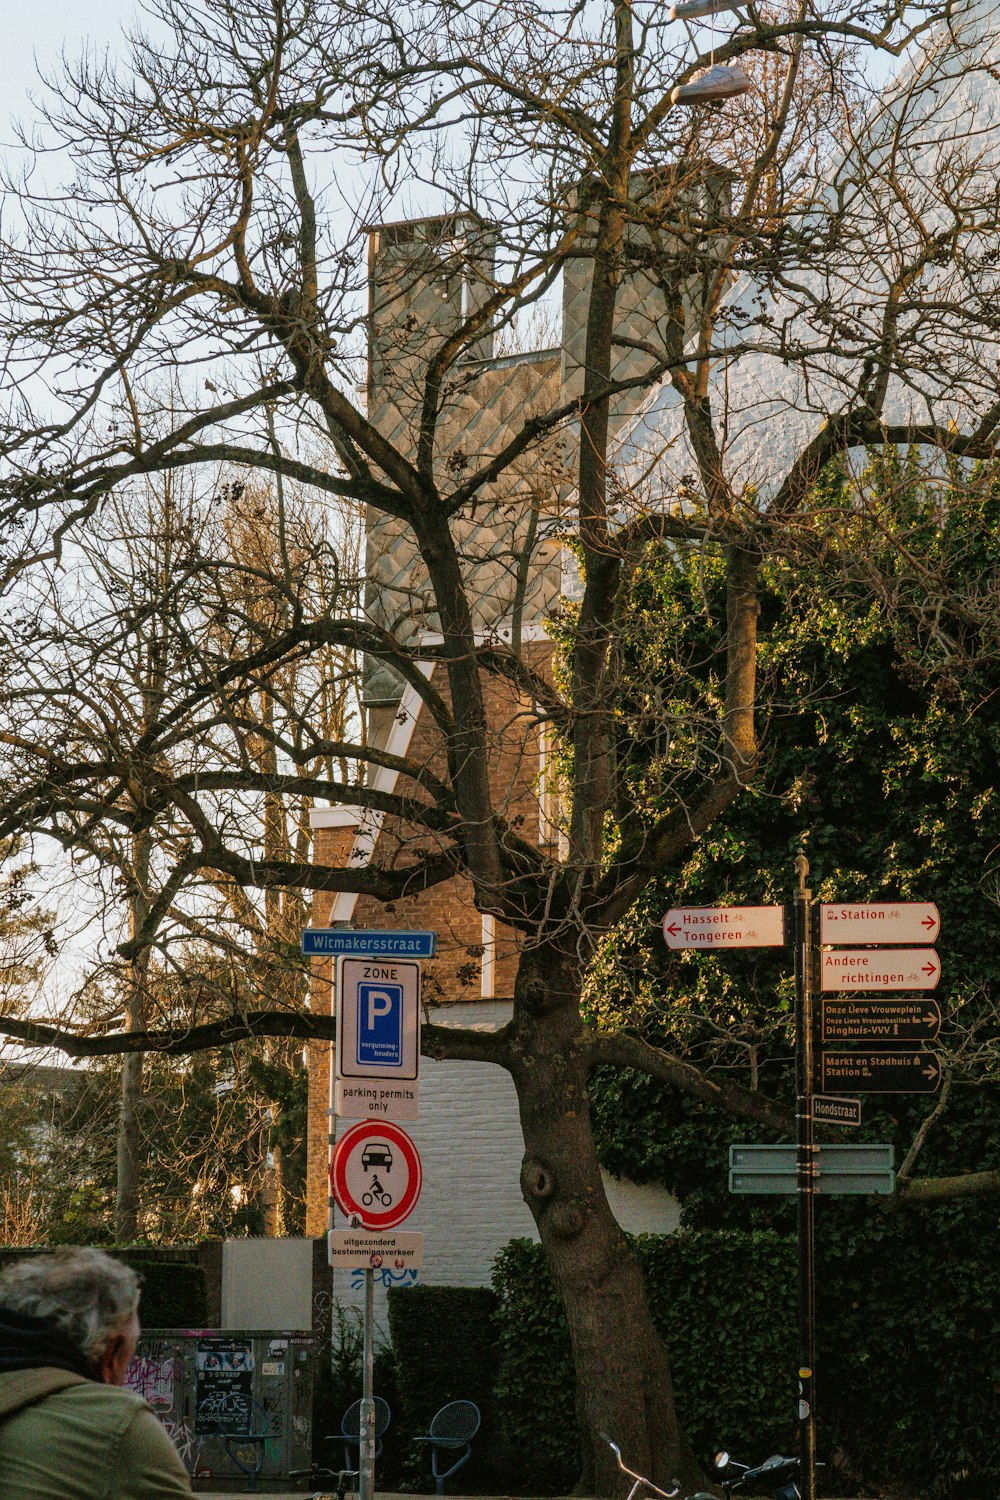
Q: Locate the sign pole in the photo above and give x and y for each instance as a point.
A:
(805, 1177)
(366, 1479)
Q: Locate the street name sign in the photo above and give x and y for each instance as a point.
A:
(398, 1250)
(333, 942)
(724, 927)
(376, 1174)
(884, 1072)
(827, 1109)
(888, 1021)
(840, 1170)
(879, 922)
(378, 1038)
(879, 969)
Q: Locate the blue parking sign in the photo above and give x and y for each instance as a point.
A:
(380, 1025)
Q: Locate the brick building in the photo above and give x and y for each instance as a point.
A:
(424, 277)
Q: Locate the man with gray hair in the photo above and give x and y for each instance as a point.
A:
(69, 1430)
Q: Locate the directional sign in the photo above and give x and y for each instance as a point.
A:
(829, 1110)
(840, 1170)
(332, 942)
(724, 927)
(378, 1037)
(888, 1072)
(880, 922)
(376, 1174)
(890, 1021)
(875, 969)
(399, 1250)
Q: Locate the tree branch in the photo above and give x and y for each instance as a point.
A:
(443, 1043)
(625, 1050)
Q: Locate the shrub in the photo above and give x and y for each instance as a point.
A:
(907, 1369)
(174, 1291)
(724, 1303)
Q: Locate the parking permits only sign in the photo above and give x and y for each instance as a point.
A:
(378, 1038)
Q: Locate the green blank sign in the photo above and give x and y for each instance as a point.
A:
(842, 1170)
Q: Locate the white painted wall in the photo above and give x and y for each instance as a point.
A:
(469, 1139)
(267, 1284)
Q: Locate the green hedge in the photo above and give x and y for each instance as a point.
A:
(908, 1367)
(174, 1292)
(725, 1307)
(444, 1343)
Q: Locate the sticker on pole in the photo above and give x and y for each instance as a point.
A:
(376, 1174)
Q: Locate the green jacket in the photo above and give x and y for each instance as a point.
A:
(66, 1438)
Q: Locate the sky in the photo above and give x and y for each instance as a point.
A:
(42, 27)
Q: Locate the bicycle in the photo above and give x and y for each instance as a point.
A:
(778, 1470)
(640, 1479)
(317, 1473)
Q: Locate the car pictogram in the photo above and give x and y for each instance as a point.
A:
(376, 1154)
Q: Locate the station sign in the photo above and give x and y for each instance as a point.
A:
(888, 1021)
(376, 1174)
(378, 1038)
(886, 1072)
(879, 922)
(879, 969)
(724, 927)
(336, 942)
(397, 1250)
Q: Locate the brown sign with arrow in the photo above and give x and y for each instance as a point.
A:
(879, 969)
(885, 1021)
(879, 922)
(886, 1072)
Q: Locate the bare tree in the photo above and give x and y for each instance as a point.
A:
(788, 278)
(107, 671)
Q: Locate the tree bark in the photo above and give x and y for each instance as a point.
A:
(129, 1152)
(623, 1385)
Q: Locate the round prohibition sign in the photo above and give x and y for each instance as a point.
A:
(376, 1174)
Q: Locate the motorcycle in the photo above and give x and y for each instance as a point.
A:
(779, 1470)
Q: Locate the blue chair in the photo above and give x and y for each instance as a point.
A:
(451, 1432)
(350, 1431)
(247, 1449)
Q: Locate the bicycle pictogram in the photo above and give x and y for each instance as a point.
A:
(376, 1192)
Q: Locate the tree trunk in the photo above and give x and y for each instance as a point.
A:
(127, 1194)
(129, 1134)
(623, 1385)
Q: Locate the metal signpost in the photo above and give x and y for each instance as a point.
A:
(895, 1059)
(804, 1178)
(375, 1171)
(366, 1154)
